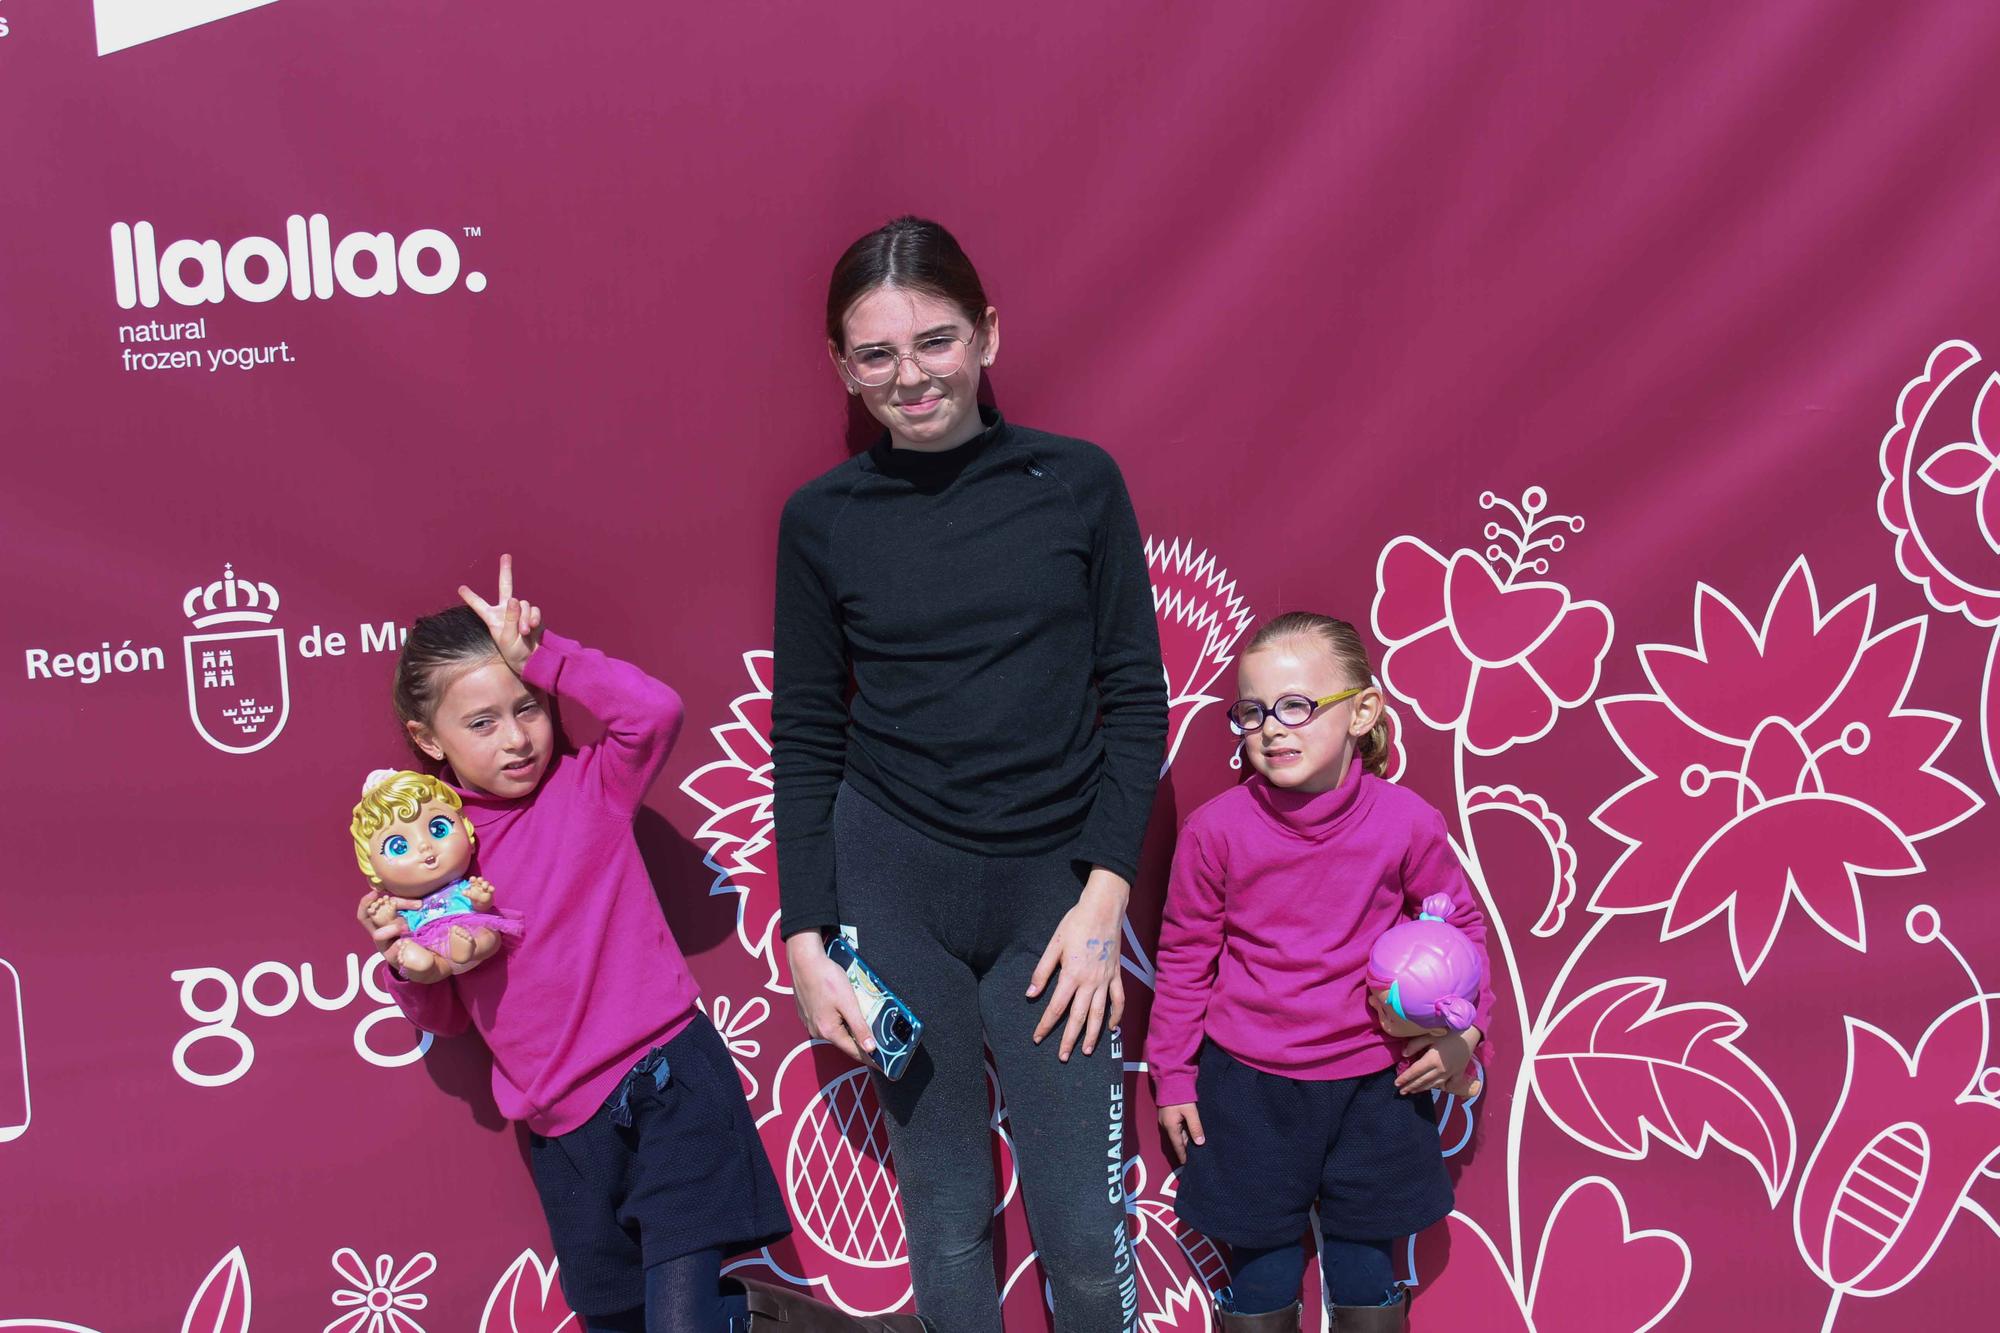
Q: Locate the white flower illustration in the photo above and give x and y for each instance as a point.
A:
(379, 1299)
(734, 1022)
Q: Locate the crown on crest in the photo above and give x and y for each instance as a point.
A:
(230, 600)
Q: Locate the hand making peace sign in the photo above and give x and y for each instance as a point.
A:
(516, 626)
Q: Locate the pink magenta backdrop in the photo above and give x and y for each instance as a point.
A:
(1622, 368)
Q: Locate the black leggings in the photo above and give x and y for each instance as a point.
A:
(957, 935)
(683, 1295)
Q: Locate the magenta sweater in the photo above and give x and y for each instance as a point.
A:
(1275, 900)
(596, 979)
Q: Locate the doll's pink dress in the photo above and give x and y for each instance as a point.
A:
(431, 923)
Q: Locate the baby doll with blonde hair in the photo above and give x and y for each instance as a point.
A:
(413, 840)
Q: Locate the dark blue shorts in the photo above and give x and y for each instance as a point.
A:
(1276, 1146)
(686, 1172)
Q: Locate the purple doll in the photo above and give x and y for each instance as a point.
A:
(1424, 977)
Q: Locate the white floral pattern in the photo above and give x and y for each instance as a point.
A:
(379, 1300)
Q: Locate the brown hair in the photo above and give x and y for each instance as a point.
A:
(913, 253)
(1343, 642)
(455, 639)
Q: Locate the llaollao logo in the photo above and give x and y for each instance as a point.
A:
(310, 264)
(239, 693)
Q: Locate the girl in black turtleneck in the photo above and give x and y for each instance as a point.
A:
(973, 813)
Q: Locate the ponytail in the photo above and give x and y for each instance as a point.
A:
(1374, 747)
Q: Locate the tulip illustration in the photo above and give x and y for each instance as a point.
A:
(1906, 1139)
(527, 1299)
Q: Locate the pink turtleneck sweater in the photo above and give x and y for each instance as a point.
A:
(596, 979)
(1276, 898)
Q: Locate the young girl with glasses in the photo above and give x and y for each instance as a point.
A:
(973, 813)
(1275, 1084)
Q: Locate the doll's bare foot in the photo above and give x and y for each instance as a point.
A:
(479, 893)
(471, 948)
(1465, 1087)
(420, 964)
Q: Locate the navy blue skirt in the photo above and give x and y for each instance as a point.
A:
(670, 1165)
(1277, 1146)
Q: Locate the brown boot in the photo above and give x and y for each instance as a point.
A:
(775, 1309)
(1273, 1321)
(1371, 1318)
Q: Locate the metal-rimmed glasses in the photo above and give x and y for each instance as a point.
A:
(1291, 710)
(937, 355)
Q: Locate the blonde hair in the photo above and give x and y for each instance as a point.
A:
(394, 798)
(1350, 655)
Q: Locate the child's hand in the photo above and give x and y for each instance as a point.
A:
(1086, 946)
(1465, 1087)
(516, 626)
(1437, 1059)
(378, 916)
(1182, 1125)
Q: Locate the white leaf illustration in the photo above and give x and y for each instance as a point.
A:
(222, 1303)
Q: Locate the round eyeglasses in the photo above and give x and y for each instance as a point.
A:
(935, 354)
(1291, 710)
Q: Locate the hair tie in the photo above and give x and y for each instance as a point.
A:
(1456, 1011)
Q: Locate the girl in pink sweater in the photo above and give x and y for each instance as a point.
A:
(1276, 1085)
(644, 1153)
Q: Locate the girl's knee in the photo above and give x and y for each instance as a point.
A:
(1096, 1286)
(948, 1229)
(968, 1238)
(1358, 1272)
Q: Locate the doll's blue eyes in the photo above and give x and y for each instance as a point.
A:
(397, 845)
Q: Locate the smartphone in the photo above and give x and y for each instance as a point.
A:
(896, 1030)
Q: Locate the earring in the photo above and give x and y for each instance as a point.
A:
(987, 362)
(853, 392)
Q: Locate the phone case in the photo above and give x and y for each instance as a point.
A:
(895, 1028)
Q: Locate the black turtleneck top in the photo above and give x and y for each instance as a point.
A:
(992, 607)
